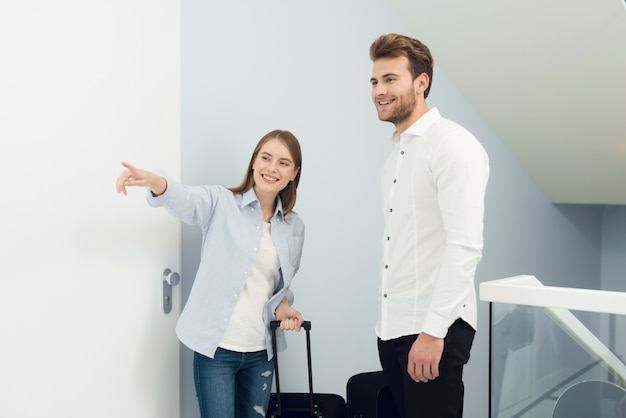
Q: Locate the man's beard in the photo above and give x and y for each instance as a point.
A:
(405, 105)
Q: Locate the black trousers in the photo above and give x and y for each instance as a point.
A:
(439, 398)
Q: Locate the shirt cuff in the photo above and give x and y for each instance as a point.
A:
(436, 325)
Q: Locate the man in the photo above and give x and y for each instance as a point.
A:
(433, 187)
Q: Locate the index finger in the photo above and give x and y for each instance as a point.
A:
(128, 165)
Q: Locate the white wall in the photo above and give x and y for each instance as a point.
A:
(85, 84)
(249, 67)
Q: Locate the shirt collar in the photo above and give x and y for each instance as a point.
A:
(249, 197)
(419, 126)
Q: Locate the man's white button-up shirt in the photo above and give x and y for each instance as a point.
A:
(433, 188)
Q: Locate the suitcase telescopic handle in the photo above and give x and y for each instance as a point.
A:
(275, 324)
(307, 327)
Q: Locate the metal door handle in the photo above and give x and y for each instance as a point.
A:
(170, 278)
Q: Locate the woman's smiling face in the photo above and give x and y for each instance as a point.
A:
(273, 168)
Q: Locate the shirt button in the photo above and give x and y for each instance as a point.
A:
(385, 295)
(401, 152)
(390, 210)
(394, 180)
(386, 266)
(388, 238)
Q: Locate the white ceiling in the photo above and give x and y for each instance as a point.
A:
(548, 76)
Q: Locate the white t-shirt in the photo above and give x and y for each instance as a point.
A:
(246, 330)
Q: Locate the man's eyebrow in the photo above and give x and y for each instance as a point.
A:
(384, 76)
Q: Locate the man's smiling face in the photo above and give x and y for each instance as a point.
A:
(394, 90)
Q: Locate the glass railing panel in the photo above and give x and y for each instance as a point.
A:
(556, 362)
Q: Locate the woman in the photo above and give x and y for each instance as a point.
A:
(251, 249)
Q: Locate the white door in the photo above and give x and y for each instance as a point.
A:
(85, 84)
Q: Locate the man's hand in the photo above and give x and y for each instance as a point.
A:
(424, 358)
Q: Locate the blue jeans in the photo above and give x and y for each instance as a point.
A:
(232, 384)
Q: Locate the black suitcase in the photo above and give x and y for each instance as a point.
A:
(293, 405)
(369, 396)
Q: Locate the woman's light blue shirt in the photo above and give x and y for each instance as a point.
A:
(231, 225)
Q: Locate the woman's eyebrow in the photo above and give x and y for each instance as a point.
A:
(282, 159)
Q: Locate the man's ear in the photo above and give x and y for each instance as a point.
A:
(421, 83)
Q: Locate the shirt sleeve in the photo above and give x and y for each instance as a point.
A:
(460, 172)
(193, 205)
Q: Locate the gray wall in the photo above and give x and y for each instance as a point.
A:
(250, 67)
(614, 268)
(614, 249)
